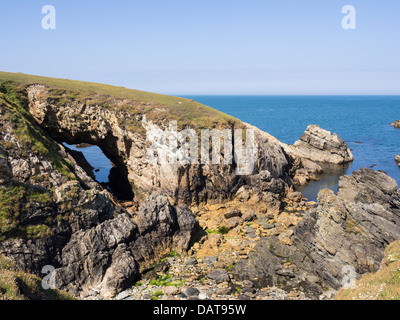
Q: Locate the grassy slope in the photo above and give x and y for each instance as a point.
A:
(17, 285)
(157, 107)
(382, 285)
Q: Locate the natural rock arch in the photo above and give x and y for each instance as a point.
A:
(76, 122)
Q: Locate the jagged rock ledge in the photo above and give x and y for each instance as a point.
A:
(350, 229)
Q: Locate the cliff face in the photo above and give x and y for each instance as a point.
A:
(53, 213)
(347, 231)
(78, 121)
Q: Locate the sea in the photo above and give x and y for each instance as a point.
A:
(363, 122)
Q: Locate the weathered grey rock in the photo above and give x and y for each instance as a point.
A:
(295, 196)
(351, 228)
(397, 159)
(234, 212)
(320, 145)
(192, 292)
(219, 275)
(233, 222)
(123, 295)
(249, 216)
(5, 167)
(163, 226)
(191, 261)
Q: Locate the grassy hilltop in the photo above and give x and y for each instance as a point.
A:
(156, 107)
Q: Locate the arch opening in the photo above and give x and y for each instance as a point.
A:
(101, 168)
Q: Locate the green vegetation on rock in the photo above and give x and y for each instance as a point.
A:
(12, 98)
(381, 285)
(17, 285)
(157, 107)
(15, 201)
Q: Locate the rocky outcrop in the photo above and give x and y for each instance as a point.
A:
(320, 145)
(396, 124)
(304, 171)
(350, 229)
(95, 248)
(80, 121)
(5, 168)
(397, 159)
(54, 214)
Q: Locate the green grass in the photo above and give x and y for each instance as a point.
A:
(173, 254)
(18, 285)
(221, 230)
(15, 200)
(156, 295)
(230, 268)
(186, 112)
(165, 281)
(13, 100)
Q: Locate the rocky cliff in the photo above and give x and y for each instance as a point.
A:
(347, 230)
(78, 121)
(52, 211)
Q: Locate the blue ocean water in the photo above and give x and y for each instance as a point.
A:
(97, 160)
(362, 121)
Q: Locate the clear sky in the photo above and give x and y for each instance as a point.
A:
(208, 46)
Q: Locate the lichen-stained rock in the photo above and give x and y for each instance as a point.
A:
(320, 145)
(396, 124)
(353, 227)
(347, 230)
(90, 258)
(162, 227)
(78, 121)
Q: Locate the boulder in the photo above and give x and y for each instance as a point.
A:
(396, 124)
(397, 159)
(219, 275)
(234, 212)
(317, 144)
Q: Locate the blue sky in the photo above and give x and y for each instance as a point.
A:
(209, 46)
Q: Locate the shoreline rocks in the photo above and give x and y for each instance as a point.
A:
(350, 229)
(396, 124)
(128, 149)
(397, 159)
(319, 145)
